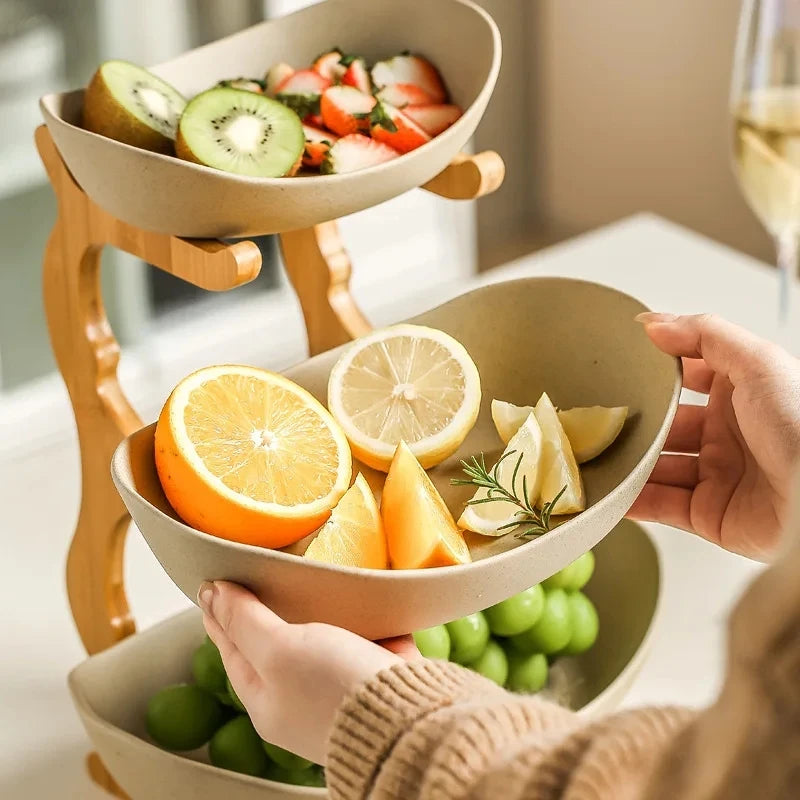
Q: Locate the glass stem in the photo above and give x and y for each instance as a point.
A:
(788, 247)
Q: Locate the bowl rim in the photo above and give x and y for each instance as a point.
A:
(48, 104)
(120, 460)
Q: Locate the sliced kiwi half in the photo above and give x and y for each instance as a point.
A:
(242, 132)
(127, 103)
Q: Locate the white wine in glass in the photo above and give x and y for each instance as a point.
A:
(765, 104)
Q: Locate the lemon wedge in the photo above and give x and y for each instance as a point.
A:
(488, 519)
(405, 383)
(508, 418)
(558, 465)
(591, 430)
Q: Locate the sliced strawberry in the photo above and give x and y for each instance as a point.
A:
(401, 95)
(329, 66)
(346, 110)
(391, 126)
(433, 119)
(410, 69)
(275, 76)
(318, 142)
(302, 90)
(358, 75)
(355, 152)
(314, 120)
(246, 84)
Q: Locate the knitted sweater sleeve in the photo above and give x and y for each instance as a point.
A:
(430, 730)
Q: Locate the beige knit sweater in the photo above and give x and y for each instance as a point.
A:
(434, 731)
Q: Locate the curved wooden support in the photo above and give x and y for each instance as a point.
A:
(319, 269)
(469, 176)
(87, 355)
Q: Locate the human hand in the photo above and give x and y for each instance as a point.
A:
(291, 678)
(727, 468)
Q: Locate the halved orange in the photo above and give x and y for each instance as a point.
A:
(353, 536)
(420, 531)
(246, 454)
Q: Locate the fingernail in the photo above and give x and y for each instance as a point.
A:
(651, 317)
(205, 596)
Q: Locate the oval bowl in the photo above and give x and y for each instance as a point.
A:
(164, 194)
(111, 690)
(576, 340)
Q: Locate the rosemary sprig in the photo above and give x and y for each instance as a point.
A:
(533, 521)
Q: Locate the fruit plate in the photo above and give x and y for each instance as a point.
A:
(164, 194)
(576, 340)
(111, 690)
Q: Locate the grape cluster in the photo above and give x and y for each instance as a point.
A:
(186, 717)
(514, 642)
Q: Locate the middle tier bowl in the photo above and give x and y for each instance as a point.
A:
(576, 340)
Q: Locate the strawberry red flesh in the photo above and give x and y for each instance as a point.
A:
(391, 126)
(433, 119)
(401, 95)
(410, 69)
(302, 90)
(346, 110)
(356, 152)
(357, 75)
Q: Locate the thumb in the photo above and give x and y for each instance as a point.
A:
(244, 619)
(728, 349)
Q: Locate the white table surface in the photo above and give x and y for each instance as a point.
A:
(42, 744)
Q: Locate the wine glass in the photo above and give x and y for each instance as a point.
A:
(765, 105)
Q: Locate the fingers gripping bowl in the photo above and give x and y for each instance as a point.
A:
(578, 340)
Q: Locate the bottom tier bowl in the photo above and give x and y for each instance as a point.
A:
(111, 690)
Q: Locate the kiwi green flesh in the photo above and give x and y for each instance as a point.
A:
(242, 132)
(127, 103)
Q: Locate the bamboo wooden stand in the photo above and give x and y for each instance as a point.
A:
(87, 354)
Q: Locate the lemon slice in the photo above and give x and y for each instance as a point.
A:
(591, 430)
(353, 535)
(489, 518)
(405, 383)
(508, 418)
(558, 465)
(248, 455)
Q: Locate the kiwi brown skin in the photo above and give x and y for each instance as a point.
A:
(104, 115)
(183, 151)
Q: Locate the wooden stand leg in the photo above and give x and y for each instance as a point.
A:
(319, 268)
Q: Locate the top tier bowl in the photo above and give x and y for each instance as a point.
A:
(164, 194)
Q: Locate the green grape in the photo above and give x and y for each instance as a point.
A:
(517, 613)
(468, 637)
(236, 746)
(492, 663)
(234, 698)
(552, 630)
(207, 668)
(526, 673)
(283, 758)
(302, 777)
(433, 642)
(183, 717)
(585, 624)
(580, 572)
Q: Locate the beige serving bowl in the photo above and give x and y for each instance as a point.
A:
(576, 340)
(167, 195)
(111, 690)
